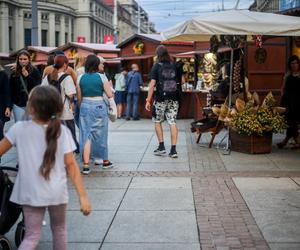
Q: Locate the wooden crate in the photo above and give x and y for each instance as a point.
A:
(251, 144)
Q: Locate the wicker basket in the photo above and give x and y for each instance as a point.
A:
(251, 144)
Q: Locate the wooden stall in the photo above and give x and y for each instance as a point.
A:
(108, 51)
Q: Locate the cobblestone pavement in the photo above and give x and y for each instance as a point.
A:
(229, 194)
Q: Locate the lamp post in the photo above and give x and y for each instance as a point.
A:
(115, 22)
(34, 24)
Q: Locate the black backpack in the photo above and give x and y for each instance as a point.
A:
(57, 83)
(167, 86)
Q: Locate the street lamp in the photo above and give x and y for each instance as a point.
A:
(34, 24)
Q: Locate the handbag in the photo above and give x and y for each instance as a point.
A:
(111, 107)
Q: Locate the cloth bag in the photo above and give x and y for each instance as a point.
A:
(111, 107)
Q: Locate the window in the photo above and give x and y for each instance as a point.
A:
(56, 38)
(66, 37)
(44, 37)
(27, 37)
(10, 38)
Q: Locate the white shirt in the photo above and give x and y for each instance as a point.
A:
(30, 187)
(68, 88)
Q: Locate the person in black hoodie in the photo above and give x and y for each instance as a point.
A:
(23, 79)
(5, 100)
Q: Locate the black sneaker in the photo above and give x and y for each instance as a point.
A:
(173, 154)
(86, 170)
(107, 165)
(159, 151)
(127, 118)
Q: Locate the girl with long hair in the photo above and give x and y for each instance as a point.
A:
(45, 151)
(67, 89)
(23, 79)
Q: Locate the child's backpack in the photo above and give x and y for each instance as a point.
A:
(57, 83)
(167, 86)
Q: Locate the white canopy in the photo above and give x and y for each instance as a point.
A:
(233, 22)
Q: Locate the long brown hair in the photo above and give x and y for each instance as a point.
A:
(29, 67)
(162, 54)
(47, 106)
(59, 62)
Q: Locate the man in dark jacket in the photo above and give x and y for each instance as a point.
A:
(133, 84)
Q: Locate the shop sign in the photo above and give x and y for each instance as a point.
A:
(108, 39)
(81, 39)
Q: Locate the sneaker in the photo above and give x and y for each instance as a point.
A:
(98, 162)
(173, 154)
(86, 170)
(136, 118)
(127, 118)
(107, 165)
(159, 151)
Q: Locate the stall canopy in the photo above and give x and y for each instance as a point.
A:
(233, 22)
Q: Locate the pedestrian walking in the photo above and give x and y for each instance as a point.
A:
(5, 101)
(165, 78)
(291, 101)
(120, 94)
(23, 79)
(63, 82)
(93, 117)
(133, 84)
(45, 151)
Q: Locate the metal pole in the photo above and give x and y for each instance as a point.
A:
(34, 24)
(139, 20)
(227, 148)
(115, 22)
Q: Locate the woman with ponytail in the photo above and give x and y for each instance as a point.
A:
(45, 153)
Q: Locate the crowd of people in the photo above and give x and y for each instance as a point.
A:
(41, 103)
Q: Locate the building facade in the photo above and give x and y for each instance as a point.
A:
(59, 22)
(265, 5)
(128, 19)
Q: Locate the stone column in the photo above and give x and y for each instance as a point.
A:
(18, 29)
(70, 30)
(51, 32)
(62, 30)
(40, 28)
(4, 41)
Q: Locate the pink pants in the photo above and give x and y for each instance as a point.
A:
(33, 218)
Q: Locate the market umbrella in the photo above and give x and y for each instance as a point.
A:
(233, 22)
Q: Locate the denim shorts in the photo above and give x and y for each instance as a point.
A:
(93, 126)
(120, 97)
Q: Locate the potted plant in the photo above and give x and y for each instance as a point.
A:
(252, 124)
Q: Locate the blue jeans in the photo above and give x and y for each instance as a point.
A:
(135, 98)
(93, 126)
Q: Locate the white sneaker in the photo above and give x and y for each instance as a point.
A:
(98, 161)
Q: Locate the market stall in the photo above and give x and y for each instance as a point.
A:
(108, 51)
(234, 28)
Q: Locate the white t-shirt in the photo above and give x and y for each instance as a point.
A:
(68, 88)
(30, 187)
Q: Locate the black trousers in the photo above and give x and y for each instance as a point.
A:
(2, 123)
(71, 125)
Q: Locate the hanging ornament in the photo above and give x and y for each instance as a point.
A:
(258, 41)
(214, 44)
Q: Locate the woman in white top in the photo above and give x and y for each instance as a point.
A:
(45, 152)
(65, 85)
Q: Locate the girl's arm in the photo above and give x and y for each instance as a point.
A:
(107, 89)
(5, 145)
(74, 173)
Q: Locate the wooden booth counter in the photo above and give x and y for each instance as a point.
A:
(191, 105)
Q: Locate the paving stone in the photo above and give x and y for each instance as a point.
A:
(91, 182)
(149, 246)
(153, 226)
(81, 228)
(160, 182)
(269, 222)
(158, 199)
(71, 246)
(100, 199)
(283, 246)
(167, 166)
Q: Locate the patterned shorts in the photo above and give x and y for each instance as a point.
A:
(168, 109)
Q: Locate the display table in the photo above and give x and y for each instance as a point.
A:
(191, 105)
